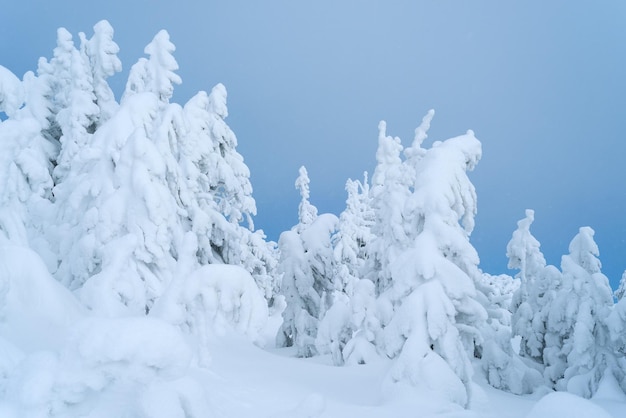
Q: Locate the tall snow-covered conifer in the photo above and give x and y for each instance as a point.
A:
(353, 312)
(218, 194)
(307, 265)
(26, 162)
(389, 193)
(102, 53)
(536, 291)
(431, 311)
(150, 172)
(578, 352)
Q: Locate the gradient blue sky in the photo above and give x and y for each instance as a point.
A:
(542, 84)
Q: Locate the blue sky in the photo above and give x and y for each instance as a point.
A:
(542, 84)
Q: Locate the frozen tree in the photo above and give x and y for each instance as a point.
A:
(317, 242)
(151, 172)
(429, 267)
(102, 53)
(30, 146)
(26, 163)
(354, 232)
(78, 116)
(155, 74)
(416, 152)
(616, 323)
(218, 196)
(121, 249)
(307, 213)
(300, 316)
(231, 176)
(503, 366)
(353, 312)
(389, 193)
(75, 98)
(53, 83)
(307, 265)
(577, 351)
(536, 291)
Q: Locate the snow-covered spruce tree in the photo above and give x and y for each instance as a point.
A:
(616, 323)
(121, 249)
(354, 231)
(389, 192)
(77, 118)
(577, 351)
(428, 266)
(102, 52)
(26, 163)
(58, 112)
(218, 197)
(536, 292)
(149, 173)
(307, 268)
(352, 316)
(503, 366)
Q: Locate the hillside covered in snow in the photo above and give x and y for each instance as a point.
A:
(133, 282)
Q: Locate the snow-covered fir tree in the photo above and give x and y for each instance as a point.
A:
(218, 193)
(26, 162)
(307, 266)
(503, 366)
(102, 53)
(537, 283)
(577, 351)
(121, 251)
(129, 180)
(430, 307)
(77, 119)
(616, 324)
(389, 191)
(352, 318)
(155, 74)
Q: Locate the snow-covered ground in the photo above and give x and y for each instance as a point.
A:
(247, 381)
(58, 360)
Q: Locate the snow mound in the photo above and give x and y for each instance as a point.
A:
(151, 346)
(562, 404)
(212, 300)
(35, 310)
(109, 367)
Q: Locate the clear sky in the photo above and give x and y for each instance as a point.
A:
(542, 84)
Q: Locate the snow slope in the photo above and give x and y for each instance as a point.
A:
(58, 360)
(247, 381)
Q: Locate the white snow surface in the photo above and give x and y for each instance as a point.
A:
(58, 360)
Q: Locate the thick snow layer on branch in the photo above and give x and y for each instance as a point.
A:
(11, 92)
(212, 300)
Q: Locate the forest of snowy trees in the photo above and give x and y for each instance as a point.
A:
(132, 220)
